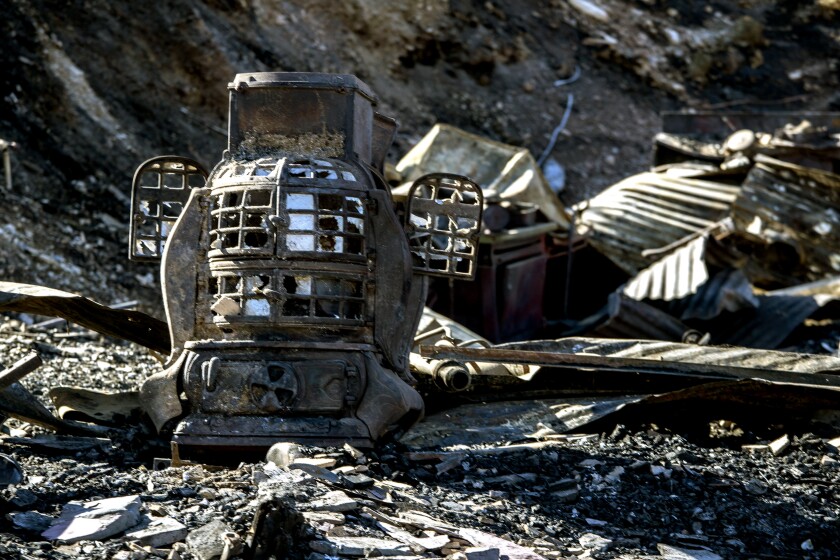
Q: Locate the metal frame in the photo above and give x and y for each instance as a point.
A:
(159, 193)
(443, 220)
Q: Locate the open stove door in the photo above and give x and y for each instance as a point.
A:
(443, 220)
(159, 193)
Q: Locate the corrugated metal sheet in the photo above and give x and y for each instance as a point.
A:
(778, 314)
(628, 318)
(661, 352)
(726, 291)
(675, 276)
(766, 326)
(683, 288)
(799, 206)
(685, 283)
(724, 301)
(660, 358)
(650, 211)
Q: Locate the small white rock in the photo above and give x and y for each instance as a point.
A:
(590, 9)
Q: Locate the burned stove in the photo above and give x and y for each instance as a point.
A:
(293, 284)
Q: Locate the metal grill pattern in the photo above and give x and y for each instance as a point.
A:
(444, 217)
(282, 296)
(159, 192)
(324, 223)
(239, 221)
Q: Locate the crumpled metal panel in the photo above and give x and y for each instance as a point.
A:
(504, 172)
(797, 206)
(689, 288)
(677, 354)
(675, 276)
(766, 326)
(803, 137)
(650, 211)
(530, 419)
(628, 318)
(728, 290)
(778, 314)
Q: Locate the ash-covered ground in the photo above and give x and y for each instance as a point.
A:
(632, 491)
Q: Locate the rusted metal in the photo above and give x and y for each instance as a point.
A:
(291, 286)
(509, 287)
(452, 375)
(665, 358)
(804, 137)
(86, 405)
(159, 191)
(57, 323)
(505, 172)
(16, 401)
(443, 216)
(768, 325)
(696, 281)
(624, 317)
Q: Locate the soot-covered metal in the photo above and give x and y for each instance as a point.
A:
(293, 284)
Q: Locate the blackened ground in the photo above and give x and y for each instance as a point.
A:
(681, 480)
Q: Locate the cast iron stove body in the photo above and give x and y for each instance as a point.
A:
(293, 285)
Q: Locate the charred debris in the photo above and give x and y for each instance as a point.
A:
(294, 277)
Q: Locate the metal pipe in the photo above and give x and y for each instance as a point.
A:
(448, 375)
(453, 376)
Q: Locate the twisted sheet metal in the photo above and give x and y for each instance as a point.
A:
(677, 353)
(650, 211)
(796, 205)
(628, 318)
(778, 314)
(686, 289)
(766, 326)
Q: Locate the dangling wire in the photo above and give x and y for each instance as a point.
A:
(570, 101)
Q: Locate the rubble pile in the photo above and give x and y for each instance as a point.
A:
(732, 237)
(638, 434)
(641, 435)
(639, 490)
